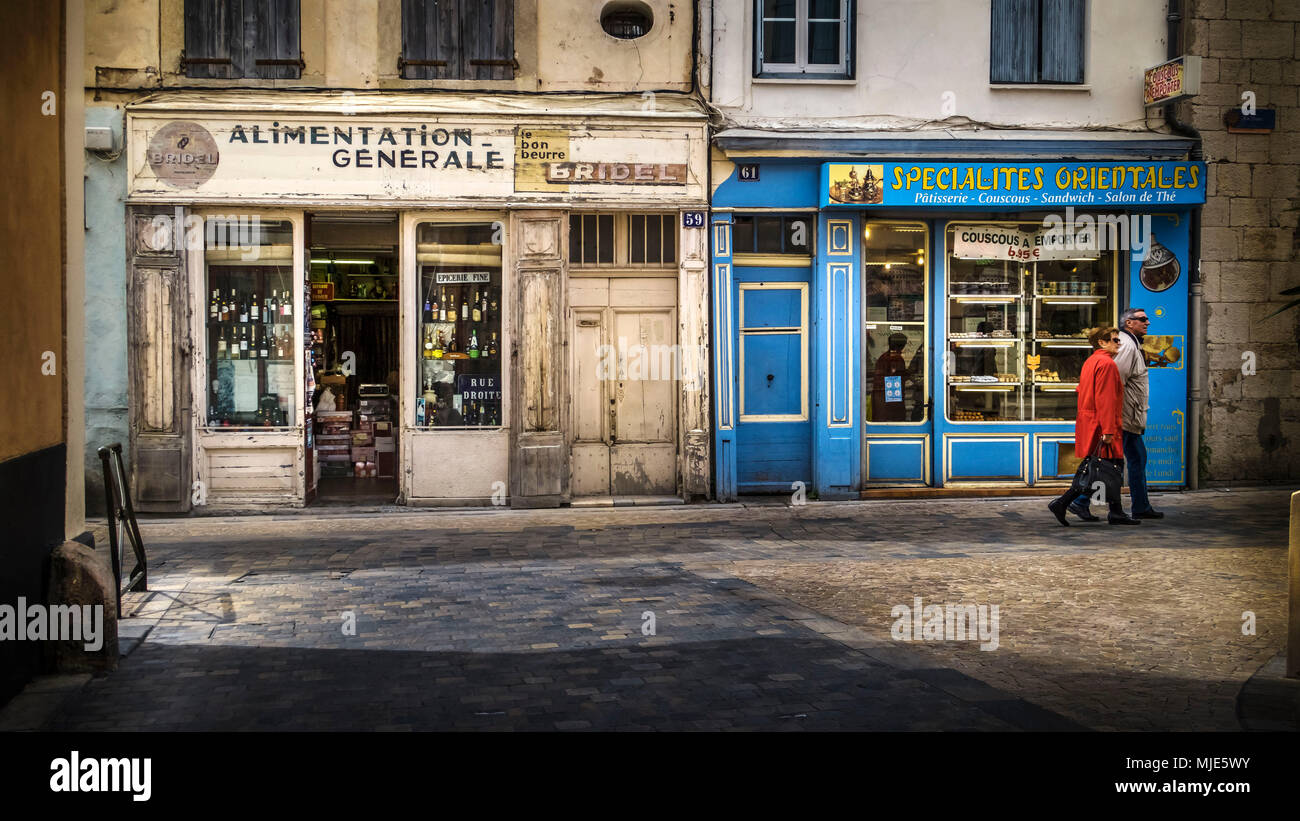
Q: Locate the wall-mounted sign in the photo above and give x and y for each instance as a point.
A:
(693, 219)
(1170, 82)
(747, 172)
(463, 278)
(314, 156)
(1261, 121)
(989, 184)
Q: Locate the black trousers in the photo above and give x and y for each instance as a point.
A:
(1116, 505)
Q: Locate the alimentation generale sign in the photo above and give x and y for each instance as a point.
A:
(1002, 184)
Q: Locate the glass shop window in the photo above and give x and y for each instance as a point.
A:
(894, 298)
(460, 342)
(251, 317)
(620, 240)
(772, 234)
(1017, 334)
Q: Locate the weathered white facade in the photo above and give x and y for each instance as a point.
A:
(351, 138)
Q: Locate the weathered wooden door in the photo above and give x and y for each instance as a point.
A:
(624, 386)
(158, 361)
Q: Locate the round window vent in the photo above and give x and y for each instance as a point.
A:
(627, 21)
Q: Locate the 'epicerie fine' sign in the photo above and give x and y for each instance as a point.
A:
(464, 277)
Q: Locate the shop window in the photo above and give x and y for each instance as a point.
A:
(623, 240)
(460, 342)
(772, 234)
(458, 40)
(231, 39)
(1017, 334)
(894, 299)
(251, 322)
(1037, 41)
(804, 38)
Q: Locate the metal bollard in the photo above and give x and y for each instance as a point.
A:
(1293, 609)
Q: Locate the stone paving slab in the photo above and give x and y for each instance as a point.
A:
(503, 620)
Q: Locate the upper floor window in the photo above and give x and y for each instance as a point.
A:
(231, 39)
(804, 38)
(458, 40)
(1037, 41)
(623, 240)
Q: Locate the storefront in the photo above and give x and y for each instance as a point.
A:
(895, 314)
(446, 299)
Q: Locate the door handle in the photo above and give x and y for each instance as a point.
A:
(613, 422)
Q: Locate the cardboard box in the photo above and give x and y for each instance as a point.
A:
(363, 454)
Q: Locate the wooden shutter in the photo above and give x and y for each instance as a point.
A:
(1013, 50)
(488, 34)
(1062, 43)
(274, 51)
(430, 40)
(213, 39)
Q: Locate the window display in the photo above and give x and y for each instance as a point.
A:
(250, 323)
(894, 301)
(1017, 331)
(460, 341)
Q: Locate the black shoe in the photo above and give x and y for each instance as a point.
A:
(1058, 510)
(1121, 519)
(1084, 513)
(1150, 514)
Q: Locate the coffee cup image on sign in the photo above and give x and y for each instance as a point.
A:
(1162, 351)
(1160, 269)
(857, 183)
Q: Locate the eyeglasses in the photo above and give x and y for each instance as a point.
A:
(1112, 339)
(1141, 319)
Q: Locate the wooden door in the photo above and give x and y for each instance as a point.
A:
(158, 361)
(624, 370)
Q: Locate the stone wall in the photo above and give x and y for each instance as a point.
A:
(1250, 247)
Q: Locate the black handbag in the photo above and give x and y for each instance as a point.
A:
(1094, 469)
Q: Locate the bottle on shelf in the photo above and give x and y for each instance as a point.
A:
(472, 348)
(477, 313)
(450, 315)
(223, 344)
(492, 346)
(464, 309)
(286, 304)
(428, 310)
(243, 342)
(483, 300)
(439, 346)
(273, 307)
(261, 345)
(452, 346)
(224, 313)
(243, 311)
(254, 310)
(214, 308)
(428, 341)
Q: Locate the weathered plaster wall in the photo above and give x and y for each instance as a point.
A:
(105, 257)
(1251, 243)
(910, 52)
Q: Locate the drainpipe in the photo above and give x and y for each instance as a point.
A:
(1196, 354)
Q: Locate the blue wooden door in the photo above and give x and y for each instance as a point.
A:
(774, 431)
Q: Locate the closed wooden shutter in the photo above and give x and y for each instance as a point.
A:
(458, 39)
(1013, 50)
(488, 33)
(229, 39)
(1062, 43)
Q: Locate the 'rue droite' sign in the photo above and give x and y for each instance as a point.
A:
(1002, 184)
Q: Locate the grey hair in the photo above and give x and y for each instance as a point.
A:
(1129, 313)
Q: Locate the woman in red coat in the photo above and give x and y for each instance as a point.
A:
(1101, 400)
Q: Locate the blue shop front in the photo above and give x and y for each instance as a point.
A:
(887, 314)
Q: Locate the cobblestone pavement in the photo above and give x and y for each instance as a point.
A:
(765, 616)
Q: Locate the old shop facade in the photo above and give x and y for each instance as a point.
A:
(510, 271)
(895, 312)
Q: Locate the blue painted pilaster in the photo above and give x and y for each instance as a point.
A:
(837, 464)
(724, 367)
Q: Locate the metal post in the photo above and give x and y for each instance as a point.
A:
(1293, 615)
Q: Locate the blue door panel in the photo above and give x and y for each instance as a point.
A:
(773, 453)
(772, 374)
(900, 460)
(777, 308)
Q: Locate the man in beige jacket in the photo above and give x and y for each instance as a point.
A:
(1137, 393)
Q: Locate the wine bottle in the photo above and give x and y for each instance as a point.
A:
(286, 304)
(478, 301)
(243, 311)
(223, 345)
(428, 341)
(243, 342)
(442, 306)
(225, 310)
(453, 347)
(273, 307)
(214, 310)
(261, 348)
(472, 349)
(254, 309)
(464, 309)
